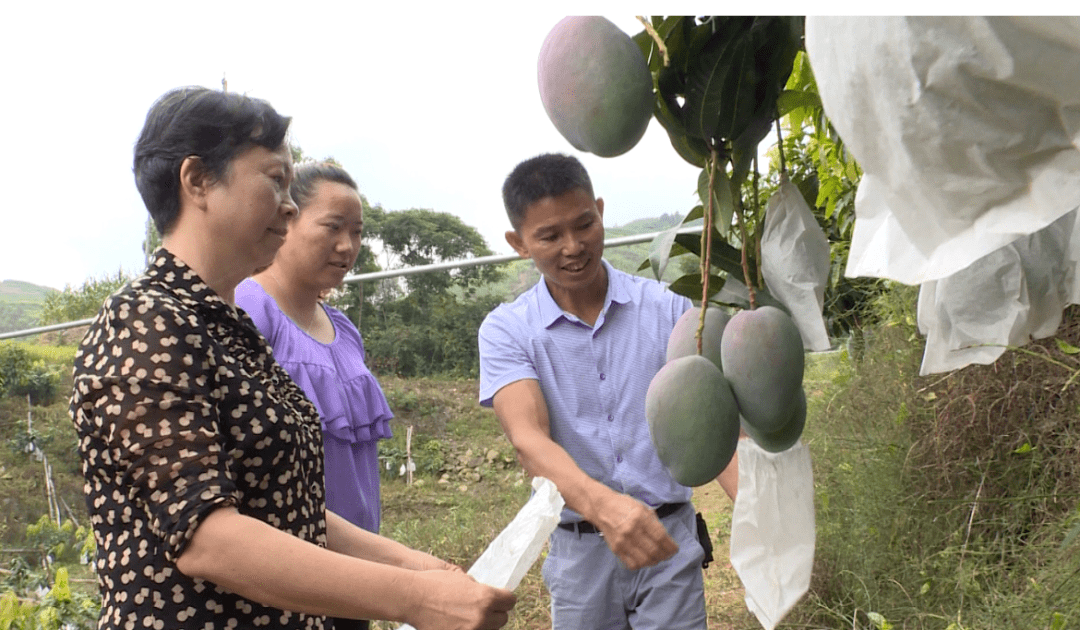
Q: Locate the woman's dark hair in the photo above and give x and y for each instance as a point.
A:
(546, 175)
(307, 176)
(215, 126)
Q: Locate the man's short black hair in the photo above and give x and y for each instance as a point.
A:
(546, 175)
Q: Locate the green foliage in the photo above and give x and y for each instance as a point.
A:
(23, 375)
(717, 82)
(426, 324)
(82, 302)
(947, 501)
(427, 456)
(43, 599)
(426, 337)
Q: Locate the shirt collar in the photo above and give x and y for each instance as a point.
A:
(550, 311)
(166, 269)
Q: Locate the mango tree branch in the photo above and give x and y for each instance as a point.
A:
(747, 276)
(656, 38)
(706, 249)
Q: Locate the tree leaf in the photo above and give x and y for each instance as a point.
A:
(723, 202)
(713, 86)
(791, 100)
(1066, 347)
(724, 256)
(690, 285)
(693, 150)
(698, 212)
(660, 250)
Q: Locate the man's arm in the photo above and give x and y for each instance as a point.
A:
(630, 528)
(729, 477)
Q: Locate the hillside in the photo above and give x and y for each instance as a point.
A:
(20, 304)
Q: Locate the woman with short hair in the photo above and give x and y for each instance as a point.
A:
(203, 459)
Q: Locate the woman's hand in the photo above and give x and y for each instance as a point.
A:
(451, 600)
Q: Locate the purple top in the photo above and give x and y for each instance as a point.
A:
(593, 378)
(351, 404)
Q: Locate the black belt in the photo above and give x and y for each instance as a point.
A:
(585, 527)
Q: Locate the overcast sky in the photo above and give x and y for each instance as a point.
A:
(426, 109)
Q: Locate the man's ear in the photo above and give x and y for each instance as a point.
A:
(194, 182)
(600, 206)
(515, 241)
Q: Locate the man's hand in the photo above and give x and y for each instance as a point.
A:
(633, 532)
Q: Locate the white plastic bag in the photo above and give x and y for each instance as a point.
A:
(772, 529)
(510, 555)
(795, 262)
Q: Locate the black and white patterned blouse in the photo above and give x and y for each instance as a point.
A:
(181, 409)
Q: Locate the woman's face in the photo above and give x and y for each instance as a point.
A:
(250, 206)
(324, 238)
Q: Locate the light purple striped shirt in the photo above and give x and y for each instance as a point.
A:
(593, 378)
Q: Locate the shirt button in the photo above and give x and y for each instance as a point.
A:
(602, 376)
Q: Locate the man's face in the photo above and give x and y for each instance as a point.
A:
(564, 236)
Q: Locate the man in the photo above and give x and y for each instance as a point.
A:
(566, 367)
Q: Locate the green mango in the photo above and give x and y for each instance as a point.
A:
(785, 437)
(762, 354)
(683, 339)
(693, 419)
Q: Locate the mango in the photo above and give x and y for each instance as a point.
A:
(595, 85)
(762, 354)
(785, 437)
(683, 339)
(693, 419)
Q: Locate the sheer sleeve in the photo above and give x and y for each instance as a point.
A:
(145, 406)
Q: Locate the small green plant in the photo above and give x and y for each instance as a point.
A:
(23, 375)
(428, 457)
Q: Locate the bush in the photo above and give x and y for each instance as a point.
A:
(948, 501)
(22, 375)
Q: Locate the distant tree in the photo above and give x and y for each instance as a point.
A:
(18, 316)
(409, 238)
(75, 303)
(424, 324)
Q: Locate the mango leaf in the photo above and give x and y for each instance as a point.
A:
(690, 285)
(723, 203)
(714, 83)
(698, 212)
(1066, 347)
(660, 250)
(693, 150)
(724, 256)
(791, 100)
(761, 295)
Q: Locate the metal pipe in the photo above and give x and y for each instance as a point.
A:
(393, 273)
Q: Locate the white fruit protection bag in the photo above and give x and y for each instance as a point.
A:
(512, 553)
(772, 528)
(968, 133)
(795, 262)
